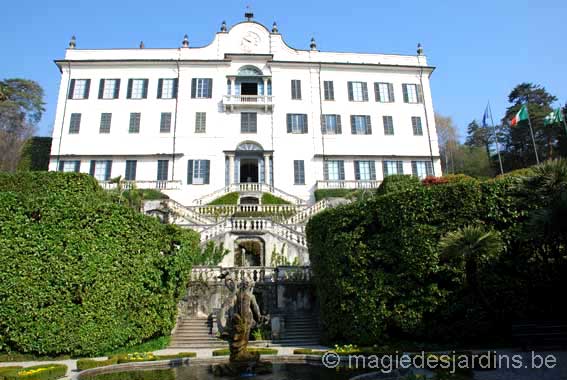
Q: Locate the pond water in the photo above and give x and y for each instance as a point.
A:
(202, 372)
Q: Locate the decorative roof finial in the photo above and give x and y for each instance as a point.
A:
(72, 42)
(142, 45)
(275, 28)
(313, 44)
(248, 15)
(419, 49)
(223, 27)
(185, 42)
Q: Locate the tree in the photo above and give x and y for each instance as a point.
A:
(448, 142)
(471, 247)
(21, 108)
(519, 149)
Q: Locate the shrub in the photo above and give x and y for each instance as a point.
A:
(136, 357)
(270, 199)
(260, 350)
(80, 274)
(83, 364)
(397, 182)
(177, 356)
(432, 180)
(332, 193)
(227, 199)
(155, 374)
(37, 372)
(379, 274)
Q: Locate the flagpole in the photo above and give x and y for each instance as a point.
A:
(496, 139)
(532, 133)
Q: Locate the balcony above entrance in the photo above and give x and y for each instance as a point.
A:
(249, 88)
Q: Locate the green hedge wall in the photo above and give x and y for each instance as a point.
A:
(80, 274)
(37, 372)
(379, 274)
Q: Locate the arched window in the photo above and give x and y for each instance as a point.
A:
(249, 71)
(249, 146)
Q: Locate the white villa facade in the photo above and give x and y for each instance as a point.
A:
(246, 113)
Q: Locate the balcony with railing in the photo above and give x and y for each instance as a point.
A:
(348, 184)
(232, 102)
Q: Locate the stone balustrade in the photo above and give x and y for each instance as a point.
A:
(127, 185)
(251, 187)
(212, 274)
(350, 184)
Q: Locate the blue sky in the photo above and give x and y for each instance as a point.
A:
(481, 48)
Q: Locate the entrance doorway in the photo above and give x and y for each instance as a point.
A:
(247, 88)
(248, 170)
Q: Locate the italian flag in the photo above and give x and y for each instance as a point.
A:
(520, 116)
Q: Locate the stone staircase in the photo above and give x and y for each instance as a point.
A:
(194, 333)
(301, 329)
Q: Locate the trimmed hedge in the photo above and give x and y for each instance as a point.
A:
(80, 274)
(260, 350)
(398, 182)
(379, 274)
(308, 351)
(332, 193)
(37, 372)
(153, 374)
(83, 364)
(227, 199)
(269, 199)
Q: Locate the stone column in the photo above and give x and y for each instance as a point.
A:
(230, 168)
(266, 168)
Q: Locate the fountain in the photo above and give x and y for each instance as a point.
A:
(238, 315)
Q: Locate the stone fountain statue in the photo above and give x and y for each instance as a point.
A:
(238, 315)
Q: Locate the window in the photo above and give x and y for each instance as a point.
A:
(357, 91)
(105, 120)
(360, 125)
(201, 88)
(298, 172)
(296, 123)
(416, 125)
(200, 122)
(412, 93)
(388, 125)
(137, 89)
(329, 90)
(109, 89)
(384, 92)
(130, 174)
(364, 170)
(162, 170)
(69, 166)
(269, 90)
(134, 122)
(296, 89)
(79, 88)
(334, 170)
(198, 172)
(75, 124)
(228, 87)
(331, 124)
(421, 169)
(392, 167)
(248, 122)
(165, 122)
(167, 88)
(100, 169)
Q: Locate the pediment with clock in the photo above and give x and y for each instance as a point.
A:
(248, 38)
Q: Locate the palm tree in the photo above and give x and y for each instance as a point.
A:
(546, 189)
(472, 247)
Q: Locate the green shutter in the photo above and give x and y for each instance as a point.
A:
(326, 170)
(377, 91)
(350, 92)
(372, 170)
(289, 116)
(159, 88)
(145, 89)
(419, 91)
(414, 168)
(108, 170)
(193, 88)
(391, 92)
(190, 172)
(405, 92)
(117, 89)
(87, 88)
(323, 125)
(368, 125)
(357, 170)
(175, 87)
(100, 88)
(352, 124)
(339, 127)
(71, 89)
(364, 91)
(92, 168)
(129, 92)
(210, 89)
(207, 172)
(341, 170)
(305, 124)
